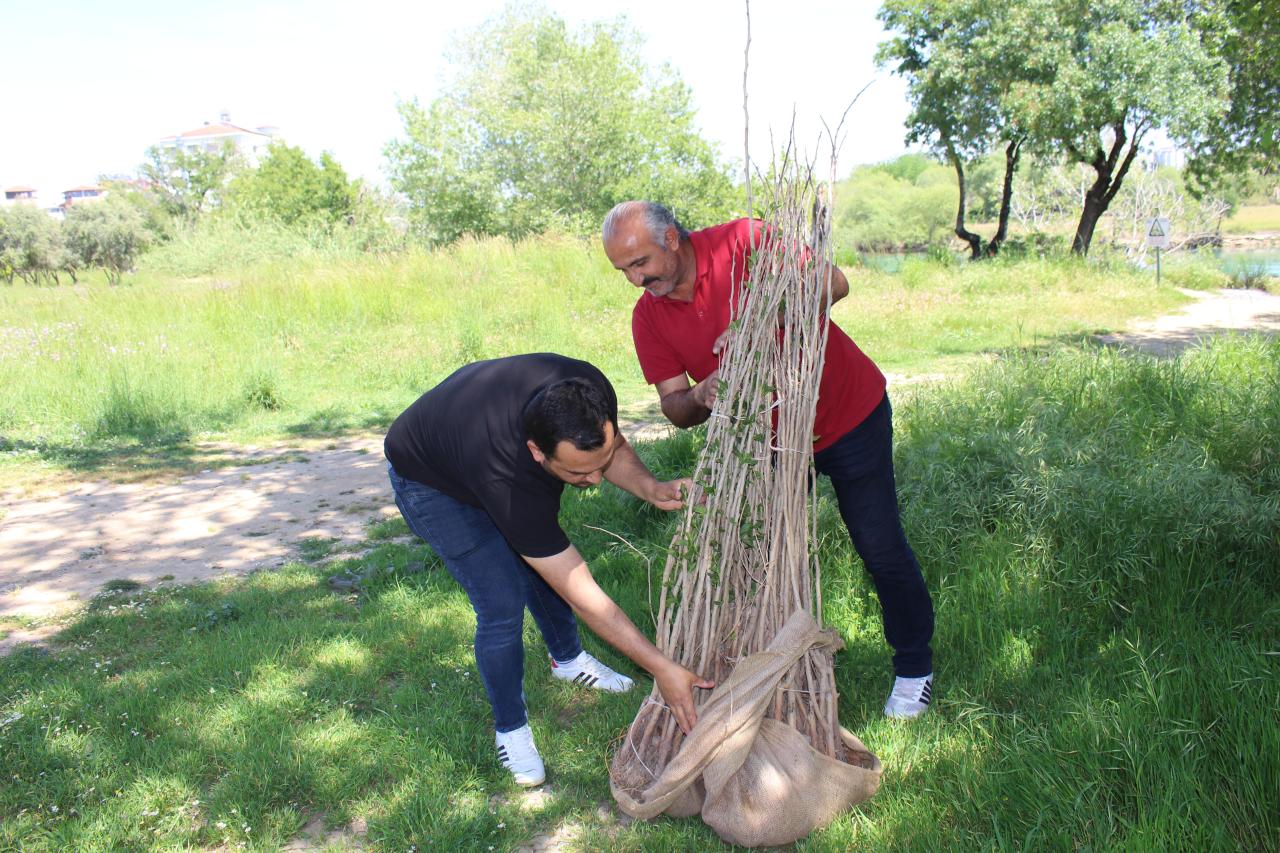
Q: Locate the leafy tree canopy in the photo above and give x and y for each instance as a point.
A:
(189, 182)
(1087, 79)
(542, 127)
(902, 203)
(289, 188)
(32, 246)
(109, 234)
(1249, 135)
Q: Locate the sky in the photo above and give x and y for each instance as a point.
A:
(87, 86)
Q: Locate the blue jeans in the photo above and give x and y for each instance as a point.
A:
(860, 465)
(500, 585)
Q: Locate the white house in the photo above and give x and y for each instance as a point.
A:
(250, 142)
(22, 194)
(19, 195)
(82, 194)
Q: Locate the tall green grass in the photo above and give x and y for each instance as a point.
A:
(1101, 533)
(325, 341)
(938, 314)
(313, 345)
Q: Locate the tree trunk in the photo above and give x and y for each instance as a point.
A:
(1011, 154)
(1110, 176)
(1094, 206)
(974, 241)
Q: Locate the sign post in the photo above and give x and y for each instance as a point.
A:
(1158, 238)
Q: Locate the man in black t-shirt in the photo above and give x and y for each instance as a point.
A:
(478, 465)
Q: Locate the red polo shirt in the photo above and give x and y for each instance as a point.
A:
(674, 337)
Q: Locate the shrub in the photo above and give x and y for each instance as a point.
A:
(32, 247)
(263, 392)
(109, 234)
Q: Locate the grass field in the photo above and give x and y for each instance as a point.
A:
(1100, 535)
(101, 377)
(1250, 219)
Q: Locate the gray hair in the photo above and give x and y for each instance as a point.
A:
(657, 218)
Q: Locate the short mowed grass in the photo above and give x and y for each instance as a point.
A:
(1101, 533)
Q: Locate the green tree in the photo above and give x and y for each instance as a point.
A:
(189, 181)
(1249, 135)
(147, 201)
(288, 187)
(1114, 71)
(899, 204)
(956, 66)
(1083, 79)
(109, 234)
(544, 128)
(32, 246)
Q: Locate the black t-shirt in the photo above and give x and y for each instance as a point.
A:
(466, 438)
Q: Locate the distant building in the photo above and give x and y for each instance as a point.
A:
(29, 196)
(1167, 157)
(79, 195)
(15, 195)
(252, 143)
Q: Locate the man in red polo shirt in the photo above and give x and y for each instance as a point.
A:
(679, 326)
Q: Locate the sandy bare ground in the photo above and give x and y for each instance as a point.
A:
(56, 552)
(1213, 313)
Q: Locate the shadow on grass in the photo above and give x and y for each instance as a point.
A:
(221, 713)
(123, 459)
(137, 459)
(335, 422)
(1103, 574)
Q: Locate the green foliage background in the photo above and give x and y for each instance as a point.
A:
(543, 128)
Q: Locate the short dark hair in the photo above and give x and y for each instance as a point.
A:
(572, 410)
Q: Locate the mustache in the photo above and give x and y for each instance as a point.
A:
(648, 281)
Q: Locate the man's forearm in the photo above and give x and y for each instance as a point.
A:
(606, 618)
(570, 577)
(616, 628)
(629, 473)
(683, 409)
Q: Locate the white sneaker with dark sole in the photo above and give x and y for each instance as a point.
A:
(910, 697)
(589, 672)
(518, 754)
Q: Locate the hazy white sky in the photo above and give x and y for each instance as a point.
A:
(89, 85)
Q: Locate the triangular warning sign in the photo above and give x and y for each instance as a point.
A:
(1157, 229)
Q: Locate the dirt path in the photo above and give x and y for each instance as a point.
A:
(1213, 313)
(56, 553)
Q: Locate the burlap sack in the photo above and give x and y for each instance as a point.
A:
(757, 782)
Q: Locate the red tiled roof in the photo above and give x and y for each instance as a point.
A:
(221, 129)
(19, 189)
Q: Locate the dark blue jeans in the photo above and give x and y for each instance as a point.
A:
(500, 585)
(860, 466)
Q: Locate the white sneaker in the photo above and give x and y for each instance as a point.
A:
(518, 754)
(589, 672)
(910, 697)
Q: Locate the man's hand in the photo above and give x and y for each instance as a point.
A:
(676, 685)
(669, 495)
(704, 393)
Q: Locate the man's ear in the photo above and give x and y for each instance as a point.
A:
(538, 455)
(672, 240)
